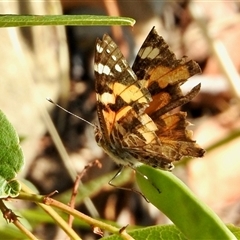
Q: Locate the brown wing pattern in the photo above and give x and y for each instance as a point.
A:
(134, 105)
(121, 102)
(164, 74)
(117, 86)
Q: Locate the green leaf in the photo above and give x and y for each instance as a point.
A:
(11, 159)
(192, 217)
(169, 232)
(13, 20)
(235, 230)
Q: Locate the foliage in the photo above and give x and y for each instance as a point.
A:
(191, 218)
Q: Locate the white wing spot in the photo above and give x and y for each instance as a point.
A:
(149, 52)
(153, 53)
(108, 50)
(114, 58)
(106, 70)
(145, 52)
(118, 68)
(99, 68)
(107, 98)
(99, 48)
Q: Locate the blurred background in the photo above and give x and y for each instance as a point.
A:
(57, 62)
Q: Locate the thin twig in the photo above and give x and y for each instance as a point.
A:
(76, 187)
(11, 217)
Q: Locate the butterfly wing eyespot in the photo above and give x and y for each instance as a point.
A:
(134, 104)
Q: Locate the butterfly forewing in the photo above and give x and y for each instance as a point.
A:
(164, 74)
(157, 64)
(119, 94)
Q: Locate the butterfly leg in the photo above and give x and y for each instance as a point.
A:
(123, 188)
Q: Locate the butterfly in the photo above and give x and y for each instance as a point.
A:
(134, 104)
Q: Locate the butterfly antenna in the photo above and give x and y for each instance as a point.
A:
(51, 101)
